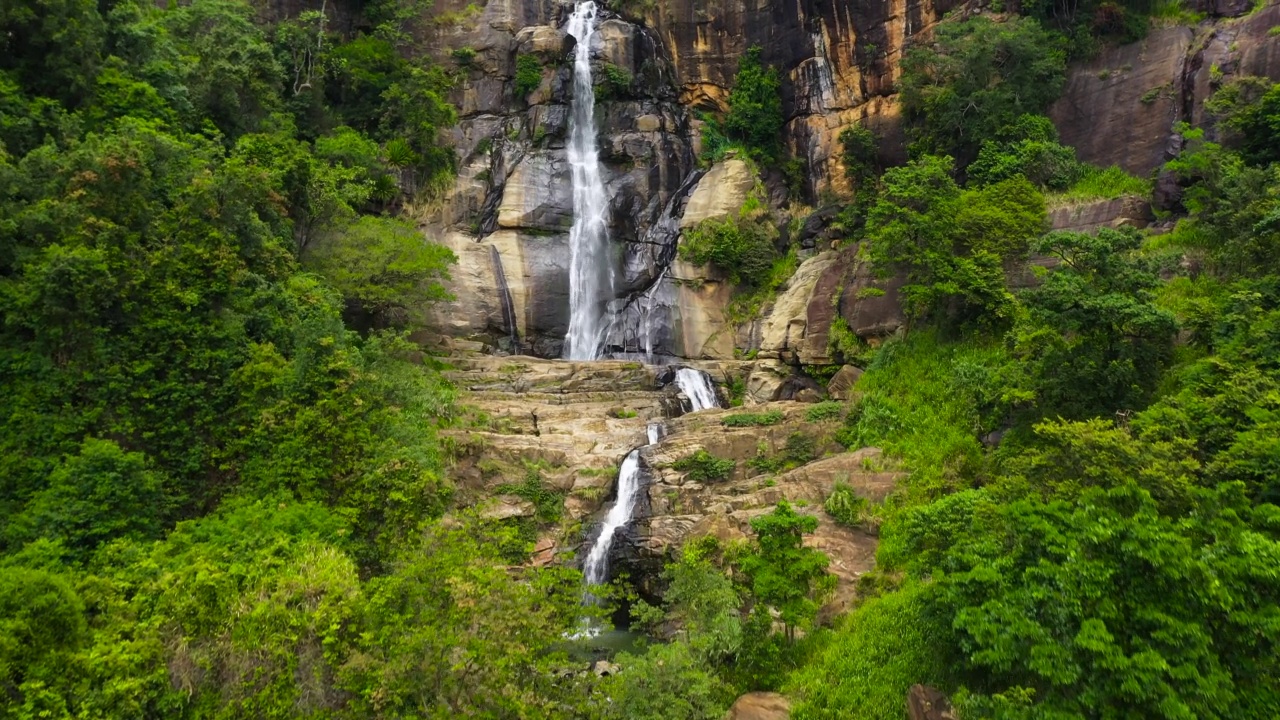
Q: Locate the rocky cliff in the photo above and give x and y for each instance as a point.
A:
(507, 217)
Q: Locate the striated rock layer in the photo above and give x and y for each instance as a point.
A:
(573, 422)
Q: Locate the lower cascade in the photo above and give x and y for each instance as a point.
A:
(596, 567)
(697, 386)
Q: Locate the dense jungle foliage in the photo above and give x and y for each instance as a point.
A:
(1089, 526)
(223, 489)
(220, 476)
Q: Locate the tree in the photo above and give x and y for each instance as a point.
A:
(52, 46)
(452, 631)
(1234, 207)
(98, 494)
(1101, 604)
(414, 109)
(385, 269)
(703, 602)
(321, 196)
(951, 244)
(1249, 108)
(668, 682)
(755, 107)
(979, 76)
(1028, 148)
(783, 574)
(1093, 341)
(235, 80)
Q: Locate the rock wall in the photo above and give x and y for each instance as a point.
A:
(508, 215)
(1121, 107)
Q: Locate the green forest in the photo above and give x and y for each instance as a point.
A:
(224, 476)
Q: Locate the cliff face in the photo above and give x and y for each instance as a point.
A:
(508, 216)
(1121, 107)
(840, 58)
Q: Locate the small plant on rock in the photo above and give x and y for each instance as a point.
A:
(528, 75)
(702, 466)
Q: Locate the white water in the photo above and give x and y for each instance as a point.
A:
(696, 385)
(596, 567)
(590, 275)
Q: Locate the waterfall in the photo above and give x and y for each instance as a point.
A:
(697, 386)
(596, 566)
(504, 300)
(590, 264)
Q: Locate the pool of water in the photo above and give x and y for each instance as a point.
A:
(603, 645)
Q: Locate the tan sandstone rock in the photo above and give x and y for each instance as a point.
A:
(760, 706)
(721, 192)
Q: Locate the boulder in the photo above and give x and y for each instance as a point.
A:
(760, 706)
(721, 192)
(871, 307)
(787, 327)
(546, 40)
(926, 703)
(840, 387)
(602, 668)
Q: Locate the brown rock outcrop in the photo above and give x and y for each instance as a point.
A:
(760, 706)
(926, 703)
(841, 385)
(1120, 107)
(1089, 216)
(870, 306)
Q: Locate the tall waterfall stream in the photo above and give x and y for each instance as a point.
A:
(591, 285)
(590, 261)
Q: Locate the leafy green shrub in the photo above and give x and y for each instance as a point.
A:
(702, 466)
(754, 121)
(740, 247)
(632, 8)
(846, 507)
(736, 389)
(464, 55)
(667, 682)
(772, 417)
(1029, 148)
(828, 410)
(1249, 108)
(528, 75)
(547, 503)
(615, 83)
(860, 152)
(798, 450)
(621, 413)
